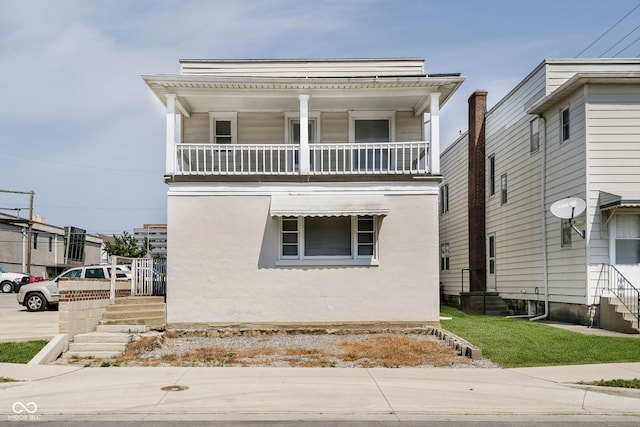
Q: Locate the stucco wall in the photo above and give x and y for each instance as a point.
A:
(223, 251)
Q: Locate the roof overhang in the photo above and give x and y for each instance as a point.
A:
(307, 205)
(217, 93)
(612, 201)
(579, 80)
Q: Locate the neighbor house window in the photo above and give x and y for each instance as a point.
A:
(444, 198)
(534, 135)
(628, 239)
(564, 124)
(327, 240)
(492, 175)
(223, 128)
(503, 189)
(492, 254)
(444, 257)
(566, 230)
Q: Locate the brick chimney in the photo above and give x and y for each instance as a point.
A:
(476, 196)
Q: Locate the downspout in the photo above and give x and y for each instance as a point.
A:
(543, 185)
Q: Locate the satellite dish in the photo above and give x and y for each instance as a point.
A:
(568, 208)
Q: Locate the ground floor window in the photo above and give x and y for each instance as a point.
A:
(327, 240)
(444, 257)
(627, 239)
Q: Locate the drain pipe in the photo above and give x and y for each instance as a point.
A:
(543, 185)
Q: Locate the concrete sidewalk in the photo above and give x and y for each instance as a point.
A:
(52, 392)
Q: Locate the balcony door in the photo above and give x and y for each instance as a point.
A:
(371, 131)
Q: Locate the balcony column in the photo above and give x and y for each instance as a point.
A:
(171, 133)
(434, 149)
(304, 134)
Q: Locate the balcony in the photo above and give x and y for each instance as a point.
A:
(284, 159)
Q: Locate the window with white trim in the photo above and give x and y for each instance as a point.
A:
(503, 189)
(492, 254)
(444, 257)
(492, 175)
(444, 198)
(327, 240)
(564, 125)
(534, 135)
(627, 239)
(223, 128)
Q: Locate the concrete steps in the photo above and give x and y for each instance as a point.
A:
(490, 304)
(148, 311)
(614, 316)
(105, 343)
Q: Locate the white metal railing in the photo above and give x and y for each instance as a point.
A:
(282, 159)
(619, 286)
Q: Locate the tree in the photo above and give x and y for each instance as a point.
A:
(126, 246)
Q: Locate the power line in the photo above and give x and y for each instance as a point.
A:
(626, 47)
(606, 32)
(620, 41)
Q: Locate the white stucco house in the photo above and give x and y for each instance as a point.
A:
(302, 191)
(570, 129)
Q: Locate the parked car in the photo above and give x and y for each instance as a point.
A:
(39, 295)
(11, 282)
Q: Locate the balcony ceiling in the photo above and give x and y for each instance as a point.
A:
(203, 93)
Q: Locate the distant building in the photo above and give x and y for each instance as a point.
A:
(52, 249)
(157, 235)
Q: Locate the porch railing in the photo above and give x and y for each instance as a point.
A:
(283, 159)
(621, 288)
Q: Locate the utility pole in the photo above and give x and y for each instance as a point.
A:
(29, 222)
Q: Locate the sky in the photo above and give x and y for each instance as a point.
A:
(79, 127)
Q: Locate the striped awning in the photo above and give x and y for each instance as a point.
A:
(308, 205)
(613, 201)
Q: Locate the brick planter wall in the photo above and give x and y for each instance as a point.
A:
(83, 302)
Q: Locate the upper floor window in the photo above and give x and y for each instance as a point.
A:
(492, 175)
(564, 124)
(503, 189)
(534, 135)
(444, 198)
(223, 128)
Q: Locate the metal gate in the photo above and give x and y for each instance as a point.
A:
(149, 276)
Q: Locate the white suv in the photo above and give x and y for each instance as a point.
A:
(10, 282)
(40, 295)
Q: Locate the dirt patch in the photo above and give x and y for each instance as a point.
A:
(301, 350)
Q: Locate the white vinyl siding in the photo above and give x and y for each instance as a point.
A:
(260, 128)
(195, 129)
(409, 127)
(335, 127)
(454, 225)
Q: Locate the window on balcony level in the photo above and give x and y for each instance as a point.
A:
(223, 128)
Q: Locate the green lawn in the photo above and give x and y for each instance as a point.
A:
(513, 343)
(20, 352)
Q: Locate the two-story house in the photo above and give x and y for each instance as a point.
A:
(570, 129)
(302, 191)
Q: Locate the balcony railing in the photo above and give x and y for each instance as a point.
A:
(283, 159)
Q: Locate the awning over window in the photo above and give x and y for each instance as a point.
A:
(305, 205)
(612, 201)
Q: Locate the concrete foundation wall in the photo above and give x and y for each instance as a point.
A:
(83, 302)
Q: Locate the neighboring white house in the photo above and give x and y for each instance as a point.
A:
(571, 128)
(302, 191)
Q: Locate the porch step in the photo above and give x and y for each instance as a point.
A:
(131, 329)
(98, 345)
(140, 311)
(614, 316)
(490, 304)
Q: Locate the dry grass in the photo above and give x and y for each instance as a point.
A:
(390, 351)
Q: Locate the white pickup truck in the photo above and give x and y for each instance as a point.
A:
(10, 282)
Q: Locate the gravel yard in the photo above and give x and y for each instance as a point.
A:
(297, 350)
